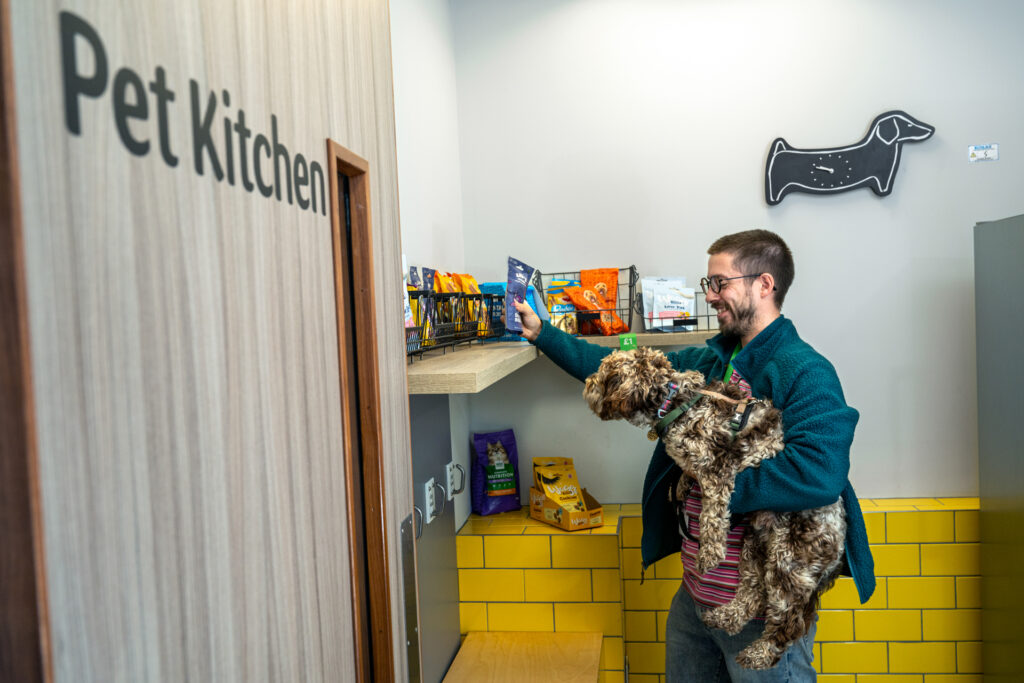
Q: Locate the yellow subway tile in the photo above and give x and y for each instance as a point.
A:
(816, 657)
(469, 552)
(968, 591)
(613, 654)
(631, 563)
(612, 677)
(472, 616)
(922, 658)
(882, 502)
(834, 625)
(844, 595)
(921, 592)
(653, 594)
(630, 509)
(854, 658)
(670, 567)
(605, 617)
(504, 530)
(896, 560)
(956, 559)
(919, 527)
(519, 517)
(661, 620)
(866, 502)
(491, 585)
(585, 551)
(607, 585)
(630, 531)
(952, 678)
(516, 551)
(966, 524)
(875, 523)
(645, 658)
(523, 616)
(643, 678)
(475, 527)
(887, 624)
(961, 503)
(553, 585)
(837, 678)
(640, 626)
(968, 657)
(889, 678)
(952, 624)
(606, 530)
(542, 530)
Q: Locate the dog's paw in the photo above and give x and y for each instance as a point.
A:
(729, 620)
(759, 655)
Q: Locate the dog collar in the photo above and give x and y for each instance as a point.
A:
(666, 419)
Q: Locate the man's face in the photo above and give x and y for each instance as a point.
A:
(735, 302)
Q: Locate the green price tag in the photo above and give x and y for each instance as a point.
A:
(627, 341)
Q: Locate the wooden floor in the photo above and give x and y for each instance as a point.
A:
(518, 656)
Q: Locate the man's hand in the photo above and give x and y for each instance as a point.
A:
(531, 323)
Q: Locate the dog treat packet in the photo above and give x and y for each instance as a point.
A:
(428, 278)
(444, 282)
(673, 304)
(608, 322)
(414, 278)
(559, 483)
(494, 475)
(561, 310)
(519, 275)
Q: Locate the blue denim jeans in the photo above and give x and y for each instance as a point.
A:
(695, 653)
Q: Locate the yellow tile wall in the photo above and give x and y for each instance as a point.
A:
(922, 625)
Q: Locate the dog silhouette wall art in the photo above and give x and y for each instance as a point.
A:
(872, 162)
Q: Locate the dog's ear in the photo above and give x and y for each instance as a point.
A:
(888, 130)
(627, 383)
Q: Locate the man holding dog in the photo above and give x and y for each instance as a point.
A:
(758, 349)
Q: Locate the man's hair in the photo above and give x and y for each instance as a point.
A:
(759, 251)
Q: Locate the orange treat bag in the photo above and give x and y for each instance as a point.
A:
(587, 300)
(605, 283)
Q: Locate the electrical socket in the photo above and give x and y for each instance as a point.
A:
(449, 473)
(429, 504)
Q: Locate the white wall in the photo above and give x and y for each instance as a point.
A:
(598, 133)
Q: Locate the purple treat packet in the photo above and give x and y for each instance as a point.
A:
(519, 275)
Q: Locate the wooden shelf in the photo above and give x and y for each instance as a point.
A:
(471, 369)
(467, 370)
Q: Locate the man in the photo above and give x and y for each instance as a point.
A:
(759, 350)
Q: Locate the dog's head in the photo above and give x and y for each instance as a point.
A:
(632, 385)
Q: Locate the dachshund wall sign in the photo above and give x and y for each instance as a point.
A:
(872, 162)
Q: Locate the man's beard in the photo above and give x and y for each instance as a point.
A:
(742, 319)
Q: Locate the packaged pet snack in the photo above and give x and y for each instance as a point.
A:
(414, 278)
(495, 473)
(561, 310)
(445, 283)
(556, 478)
(602, 281)
(428, 279)
(410, 320)
(673, 304)
(519, 275)
(607, 322)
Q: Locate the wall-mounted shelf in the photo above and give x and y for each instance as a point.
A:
(469, 370)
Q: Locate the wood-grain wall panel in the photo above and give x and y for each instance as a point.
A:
(184, 345)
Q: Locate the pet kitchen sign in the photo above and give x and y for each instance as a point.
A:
(239, 154)
(871, 162)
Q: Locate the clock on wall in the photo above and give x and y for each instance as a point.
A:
(872, 162)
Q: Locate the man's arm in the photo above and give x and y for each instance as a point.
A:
(577, 357)
(813, 467)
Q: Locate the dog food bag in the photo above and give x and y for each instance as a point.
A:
(608, 322)
(561, 310)
(494, 475)
(519, 275)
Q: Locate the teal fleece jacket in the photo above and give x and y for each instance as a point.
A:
(812, 469)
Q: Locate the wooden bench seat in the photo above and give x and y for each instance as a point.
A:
(495, 656)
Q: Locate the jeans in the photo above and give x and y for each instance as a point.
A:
(695, 653)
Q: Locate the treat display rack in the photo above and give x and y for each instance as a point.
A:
(450, 319)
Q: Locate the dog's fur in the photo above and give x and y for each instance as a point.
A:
(788, 559)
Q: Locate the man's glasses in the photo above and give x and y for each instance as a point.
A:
(714, 283)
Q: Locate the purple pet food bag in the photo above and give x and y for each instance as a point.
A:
(494, 475)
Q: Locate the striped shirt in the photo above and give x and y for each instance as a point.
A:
(718, 585)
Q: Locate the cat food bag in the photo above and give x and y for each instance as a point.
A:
(519, 276)
(495, 473)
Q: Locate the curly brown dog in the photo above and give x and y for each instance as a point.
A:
(788, 559)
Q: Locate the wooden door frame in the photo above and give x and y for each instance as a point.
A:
(364, 475)
(25, 653)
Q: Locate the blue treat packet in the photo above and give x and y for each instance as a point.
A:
(519, 275)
